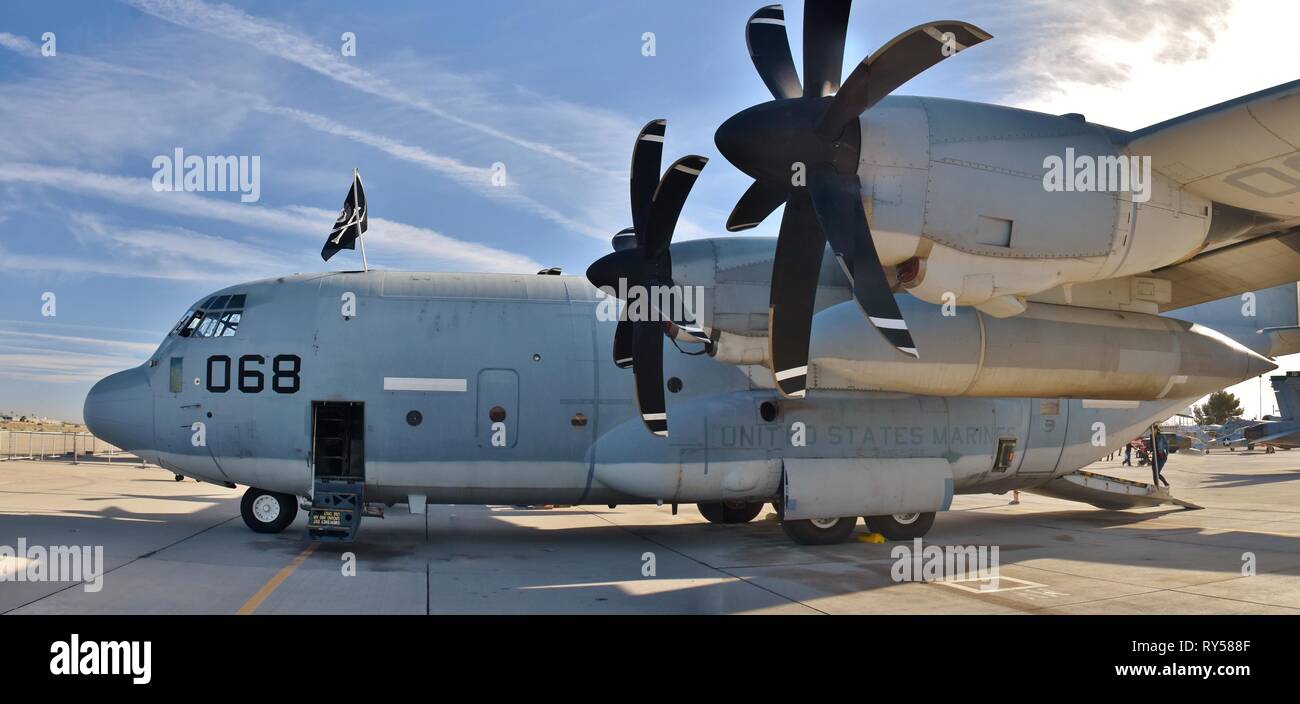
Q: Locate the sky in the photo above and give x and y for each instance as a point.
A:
(438, 98)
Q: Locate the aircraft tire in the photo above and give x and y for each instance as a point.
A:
(729, 512)
(267, 511)
(825, 531)
(903, 526)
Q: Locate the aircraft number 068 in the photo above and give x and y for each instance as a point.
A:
(251, 379)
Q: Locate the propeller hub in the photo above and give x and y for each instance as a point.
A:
(770, 141)
(629, 267)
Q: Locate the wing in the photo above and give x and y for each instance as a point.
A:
(1244, 152)
(1260, 263)
(1288, 433)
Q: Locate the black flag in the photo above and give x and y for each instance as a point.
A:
(352, 221)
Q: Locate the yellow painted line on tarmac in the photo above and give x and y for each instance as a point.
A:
(274, 583)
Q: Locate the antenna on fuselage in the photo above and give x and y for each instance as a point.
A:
(351, 224)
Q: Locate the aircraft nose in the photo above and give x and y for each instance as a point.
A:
(119, 410)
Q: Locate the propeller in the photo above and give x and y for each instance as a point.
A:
(641, 266)
(812, 130)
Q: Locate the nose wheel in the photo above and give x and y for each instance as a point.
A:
(267, 511)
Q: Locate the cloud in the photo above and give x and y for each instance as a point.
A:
(401, 239)
(476, 178)
(1130, 64)
(65, 358)
(127, 123)
(284, 42)
(131, 347)
(19, 44)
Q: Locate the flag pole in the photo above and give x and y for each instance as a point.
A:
(361, 238)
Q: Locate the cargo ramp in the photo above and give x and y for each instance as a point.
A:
(1106, 492)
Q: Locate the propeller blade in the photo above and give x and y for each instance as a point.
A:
(623, 344)
(825, 24)
(624, 239)
(754, 206)
(668, 201)
(648, 372)
(894, 64)
(799, 251)
(837, 200)
(769, 47)
(647, 157)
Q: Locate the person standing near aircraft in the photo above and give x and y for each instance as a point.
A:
(1159, 453)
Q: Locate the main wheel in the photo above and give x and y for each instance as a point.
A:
(901, 526)
(820, 531)
(267, 511)
(729, 511)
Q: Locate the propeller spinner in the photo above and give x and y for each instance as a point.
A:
(645, 266)
(814, 125)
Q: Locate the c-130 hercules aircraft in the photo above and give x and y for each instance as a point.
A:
(1020, 329)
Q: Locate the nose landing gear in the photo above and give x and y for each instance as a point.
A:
(267, 511)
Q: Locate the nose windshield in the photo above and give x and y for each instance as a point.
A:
(218, 316)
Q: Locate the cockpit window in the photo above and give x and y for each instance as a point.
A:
(219, 316)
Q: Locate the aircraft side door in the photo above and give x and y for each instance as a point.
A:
(1048, 422)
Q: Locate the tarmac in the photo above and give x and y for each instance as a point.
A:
(181, 548)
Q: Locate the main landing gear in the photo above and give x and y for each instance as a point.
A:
(267, 511)
(820, 531)
(829, 531)
(730, 511)
(901, 526)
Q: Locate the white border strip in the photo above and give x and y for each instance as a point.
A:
(398, 383)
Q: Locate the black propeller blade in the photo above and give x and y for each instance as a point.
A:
(799, 250)
(769, 47)
(894, 64)
(837, 201)
(645, 269)
(817, 127)
(754, 206)
(825, 25)
(648, 374)
(623, 344)
(647, 154)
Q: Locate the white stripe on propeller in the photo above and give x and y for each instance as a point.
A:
(890, 323)
(788, 373)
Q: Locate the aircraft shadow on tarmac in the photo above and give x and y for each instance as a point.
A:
(1229, 481)
(526, 566)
